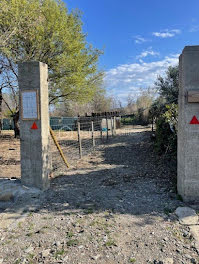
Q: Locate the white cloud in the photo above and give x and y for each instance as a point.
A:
(129, 78)
(166, 33)
(163, 34)
(139, 40)
(176, 31)
(194, 28)
(146, 53)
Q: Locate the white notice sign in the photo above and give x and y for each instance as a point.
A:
(29, 105)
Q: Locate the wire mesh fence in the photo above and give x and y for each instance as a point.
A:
(80, 138)
(76, 137)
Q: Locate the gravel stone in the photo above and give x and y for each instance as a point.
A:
(112, 207)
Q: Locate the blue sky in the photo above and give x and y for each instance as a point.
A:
(140, 38)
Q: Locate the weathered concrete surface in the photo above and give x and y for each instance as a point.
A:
(195, 233)
(188, 134)
(13, 190)
(187, 216)
(35, 159)
(22, 200)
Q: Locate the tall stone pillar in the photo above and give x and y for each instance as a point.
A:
(188, 125)
(34, 124)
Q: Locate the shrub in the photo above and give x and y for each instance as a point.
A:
(166, 131)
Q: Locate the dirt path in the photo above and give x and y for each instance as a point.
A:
(116, 207)
(9, 155)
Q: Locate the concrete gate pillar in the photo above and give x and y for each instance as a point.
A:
(34, 124)
(188, 124)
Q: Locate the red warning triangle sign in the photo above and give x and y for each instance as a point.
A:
(194, 121)
(34, 126)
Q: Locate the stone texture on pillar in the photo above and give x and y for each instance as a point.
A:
(35, 159)
(188, 134)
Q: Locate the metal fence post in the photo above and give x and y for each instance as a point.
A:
(79, 139)
(93, 138)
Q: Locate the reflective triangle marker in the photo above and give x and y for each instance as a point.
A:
(194, 121)
(34, 126)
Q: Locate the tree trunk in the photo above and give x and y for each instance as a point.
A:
(1, 101)
(16, 124)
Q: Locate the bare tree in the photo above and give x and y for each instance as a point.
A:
(8, 84)
(100, 103)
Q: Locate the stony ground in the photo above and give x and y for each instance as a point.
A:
(9, 155)
(117, 206)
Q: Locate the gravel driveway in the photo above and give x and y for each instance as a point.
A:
(116, 206)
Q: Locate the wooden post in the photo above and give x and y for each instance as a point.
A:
(101, 132)
(106, 127)
(152, 124)
(58, 147)
(93, 138)
(114, 125)
(79, 139)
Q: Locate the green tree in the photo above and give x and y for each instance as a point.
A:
(166, 130)
(157, 108)
(165, 111)
(44, 30)
(168, 86)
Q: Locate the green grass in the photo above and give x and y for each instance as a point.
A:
(72, 243)
(30, 258)
(31, 227)
(176, 233)
(29, 234)
(59, 253)
(31, 255)
(89, 211)
(19, 225)
(69, 234)
(132, 260)
(110, 243)
(7, 242)
(45, 227)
